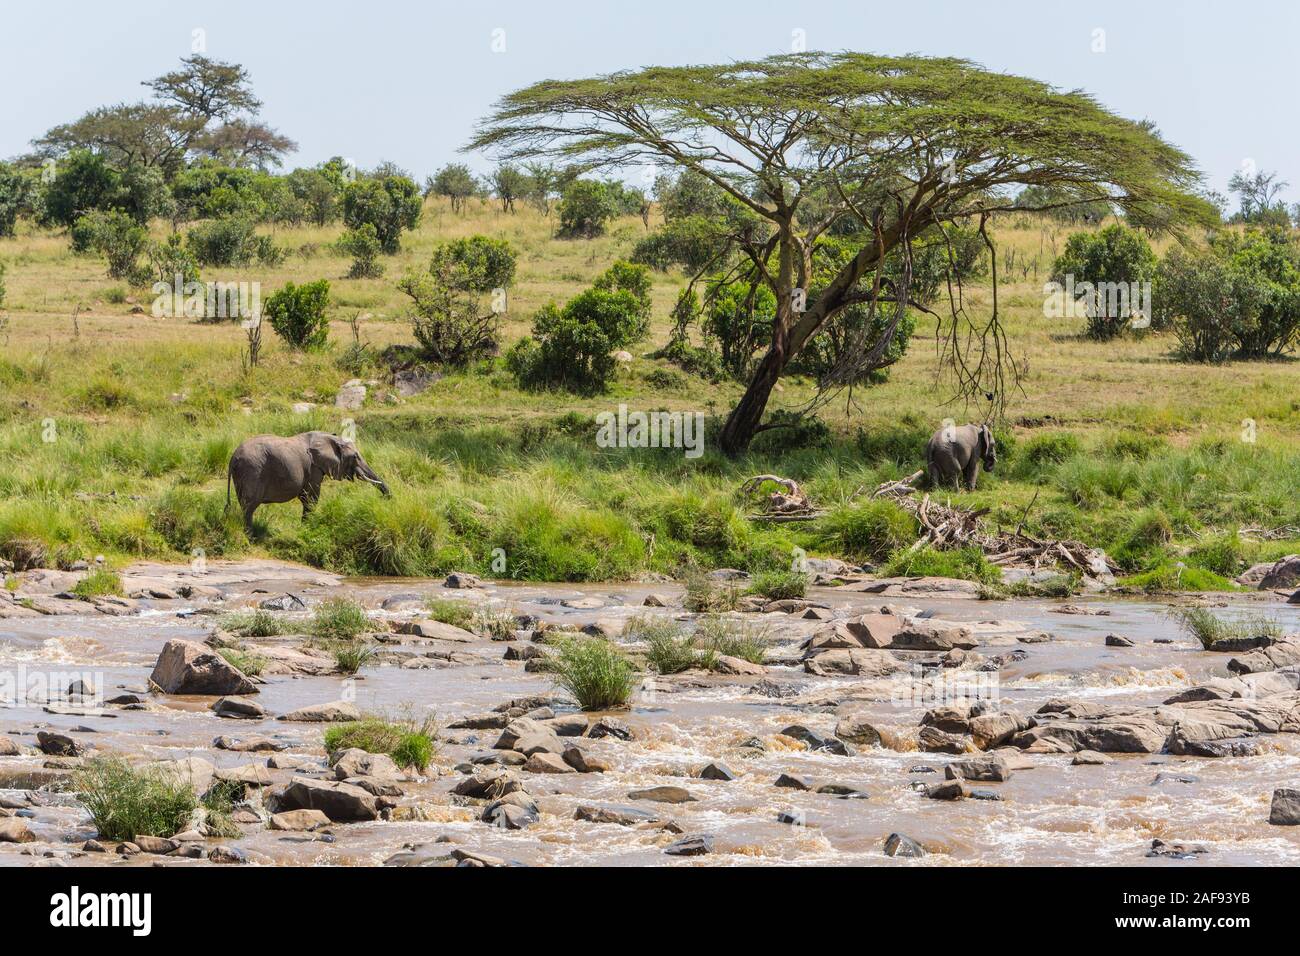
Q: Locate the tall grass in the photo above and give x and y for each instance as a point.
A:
(595, 672)
(124, 802)
(410, 742)
(1202, 624)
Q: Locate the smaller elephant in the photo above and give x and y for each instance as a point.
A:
(268, 469)
(955, 451)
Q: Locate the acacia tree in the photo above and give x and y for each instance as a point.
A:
(902, 146)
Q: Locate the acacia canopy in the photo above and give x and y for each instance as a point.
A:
(903, 146)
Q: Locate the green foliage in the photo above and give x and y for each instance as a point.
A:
(114, 235)
(250, 664)
(297, 314)
(17, 197)
(595, 672)
(83, 183)
(97, 583)
(255, 623)
(172, 260)
(586, 206)
(456, 613)
(669, 649)
(1201, 623)
(388, 203)
(124, 803)
(1038, 453)
(362, 244)
(450, 319)
(409, 742)
(779, 585)
(867, 531)
(1116, 255)
(693, 242)
(703, 594)
(339, 619)
(232, 241)
(455, 182)
(319, 192)
(967, 564)
(350, 656)
(731, 637)
(1221, 553)
(572, 347)
(1170, 578)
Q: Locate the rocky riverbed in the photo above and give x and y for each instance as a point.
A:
(899, 722)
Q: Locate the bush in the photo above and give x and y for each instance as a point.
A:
(232, 242)
(297, 314)
(362, 244)
(1201, 624)
(779, 585)
(408, 742)
(114, 235)
(594, 672)
(572, 347)
(451, 321)
(389, 204)
(1170, 578)
(339, 619)
(967, 564)
(703, 594)
(350, 656)
(173, 259)
(585, 207)
(455, 182)
(692, 242)
(97, 583)
(868, 531)
(125, 803)
(1220, 553)
(1116, 256)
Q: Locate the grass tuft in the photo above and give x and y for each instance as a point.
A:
(595, 672)
(124, 802)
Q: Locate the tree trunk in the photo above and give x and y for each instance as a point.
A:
(742, 424)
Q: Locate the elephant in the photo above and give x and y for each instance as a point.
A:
(955, 451)
(268, 469)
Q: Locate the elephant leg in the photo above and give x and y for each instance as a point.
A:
(971, 471)
(249, 508)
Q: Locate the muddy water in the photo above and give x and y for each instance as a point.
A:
(1053, 813)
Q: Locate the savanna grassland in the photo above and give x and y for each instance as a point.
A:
(115, 430)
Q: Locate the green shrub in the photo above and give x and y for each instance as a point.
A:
(585, 207)
(669, 649)
(97, 583)
(1039, 453)
(409, 742)
(451, 319)
(1143, 544)
(297, 314)
(967, 564)
(1201, 624)
(716, 635)
(232, 241)
(125, 803)
(867, 531)
(339, 619)
(1220, 553)
(779, 585)
(389, 204)
(692, 242)
(456, 613)
(255, 623)
(594, 671)
(362, 244)
(114, 235)
(1116, 255)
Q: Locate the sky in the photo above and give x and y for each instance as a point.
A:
(405, 81)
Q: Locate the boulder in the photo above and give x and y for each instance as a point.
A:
(15, 830)
(984, 769)
(57, 745)
(542, 762)
(248, 744)
(691, 846)
(873, 630)
(299, 820)
(716, 771)
(1284, 574)
(994, 730)
(1116, 640)
(935, 741)
(858, 730)
(460, 579)
(610, 727)
(583, 762)
(621, 815)
(791, 782)
(726, 664)
(335, 712)
(185, 667)
(1090, 758)
(667, 794)
(896, 844)
(514, 811)
(853, 662)
(341, 802)
(488, 784)
(926, 635)
(949, 790)
(238, 708)
(351, 395)
(1284, 811)
(816, 741)
(8, 748)
(160, 846)
(355, 762)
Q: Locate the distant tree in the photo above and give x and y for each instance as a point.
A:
(1116, 256)
(116, 236)
(508, 184)
(83, 182)
(1258, 194)
(318, 192)
(542, 186)
(585, 207)
(390, 204)
(242, 142)
(905, 145)
(362, 244)
(206, 88)
(1063, 204)
(148, 134)
(17, 195)
(455, 182)
(452, 319)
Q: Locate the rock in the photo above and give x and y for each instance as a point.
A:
(355, 762)
(667, 794)
(248, 744)
(488, 784)
(716, 771)
(583, 762)
(195, 771)
(896, 844)
(284, 602)
(792, 782)
(775, 690)
(853, 662)
(923, 635)
(351, 396)
(185, 667)
(1129, 734)
(949, 790)
(1090, 758)
(1176, 851)
(341, 802)
(299, 820)
(1115, 640)
(228, 855)
(1283, 653)
(726, 664)
(548, 763)
(459, 579)
(728, 574)
(1285, 808)
(620, 815)
(993, 730)
(14, 830)
(238, 708)
(949, 718)
(412, 381)
(988, 768)
(816, 741)
(57, 745)
(656, 600)
(935, 741)
(247, 775)
(609, 727)
(335, 712)
(159, 846)
(436, 630)
(512, 812)
(8, 748)
(568, 725)
(691, 846)
(1284, 574)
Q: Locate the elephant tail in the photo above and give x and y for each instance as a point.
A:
(227, 489)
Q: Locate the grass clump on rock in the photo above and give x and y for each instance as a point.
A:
(965, 564)
(669, 649)
(595, 672)
(409, 742)
(1201, 624)
(254, 623)
(125, 802)
(779, 585)
(350, 656)
(456, 613)
(250, 664)
(339, 619)
(728, 637)
(98, 583)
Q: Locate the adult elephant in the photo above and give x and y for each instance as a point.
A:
(954, 453)
(269, 469)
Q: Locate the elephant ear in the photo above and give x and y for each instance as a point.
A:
(986, 436)
(326, 453)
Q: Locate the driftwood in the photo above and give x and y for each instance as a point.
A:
(944, 526)
(790, 505)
